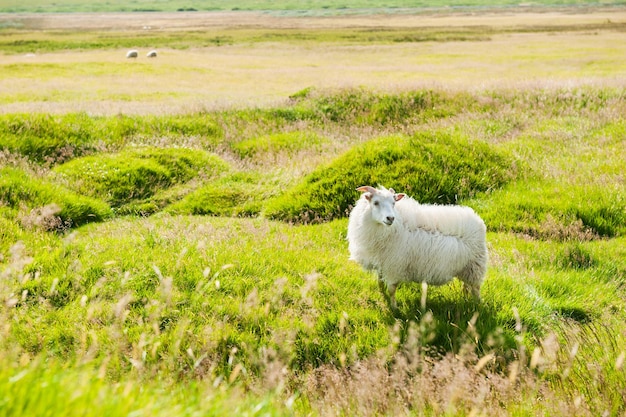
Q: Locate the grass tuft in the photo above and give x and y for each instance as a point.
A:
(47, 204)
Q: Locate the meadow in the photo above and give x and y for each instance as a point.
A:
(284, 6)
(172, 231)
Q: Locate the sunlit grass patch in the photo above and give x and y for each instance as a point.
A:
(57, 70)
(137, 173)
(365, 107)
(289, 143)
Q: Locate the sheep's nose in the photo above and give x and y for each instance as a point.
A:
(390, 220)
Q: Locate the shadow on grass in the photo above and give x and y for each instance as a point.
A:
(449, 322)
(445, 321)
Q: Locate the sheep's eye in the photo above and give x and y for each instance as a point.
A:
(376, 203)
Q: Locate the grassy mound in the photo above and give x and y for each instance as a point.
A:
(362, 107)
(239, 194)
(46, 204)
(288, 142)
(46, 138)
(556, 211)
(434, 167)
(137, 174)
(54, 139)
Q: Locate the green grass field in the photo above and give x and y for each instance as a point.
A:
(160, 260)
(300, 7)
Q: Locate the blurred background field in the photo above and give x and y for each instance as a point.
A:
(59, 63)
(290, 6)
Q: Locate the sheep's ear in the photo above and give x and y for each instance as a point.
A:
(399, 196)
(367, 190)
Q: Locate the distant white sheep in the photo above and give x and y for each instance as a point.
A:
(152, 54)
(132, 54)
(404, 241)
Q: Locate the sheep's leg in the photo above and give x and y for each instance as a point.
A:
(382, 286)
(472, 289)
(472, 277)
(388, 291)
(392, 296)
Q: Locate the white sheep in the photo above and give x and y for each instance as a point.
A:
(404, 241)
(152, 54)
(132, 54)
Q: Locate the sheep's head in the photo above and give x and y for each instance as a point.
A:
(382, 203)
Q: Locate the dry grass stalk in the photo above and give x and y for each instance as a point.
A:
(45, 218)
